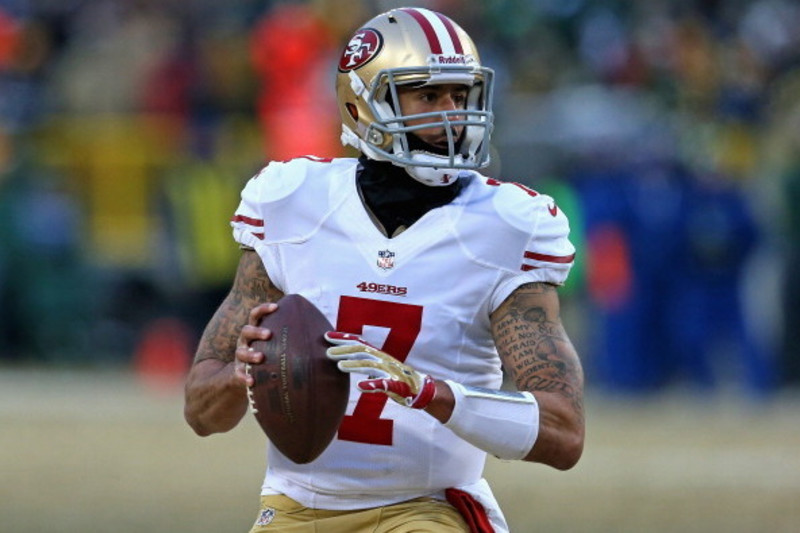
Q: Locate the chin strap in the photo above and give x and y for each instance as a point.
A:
(432, 165)
(434, 169)
(432, 176)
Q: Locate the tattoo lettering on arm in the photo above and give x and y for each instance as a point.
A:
(251, 287)
(533, 345)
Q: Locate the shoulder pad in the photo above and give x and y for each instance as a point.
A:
(514, 228)
(287, 201)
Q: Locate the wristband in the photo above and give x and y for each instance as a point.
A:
(426, 394)
(503, 423)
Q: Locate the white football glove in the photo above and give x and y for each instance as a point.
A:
(386, 374)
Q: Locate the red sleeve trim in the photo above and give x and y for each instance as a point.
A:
(248, 220)
(561, 259)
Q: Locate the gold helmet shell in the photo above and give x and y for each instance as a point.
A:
(414, 46)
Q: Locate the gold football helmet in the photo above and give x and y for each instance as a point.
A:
(414, 46)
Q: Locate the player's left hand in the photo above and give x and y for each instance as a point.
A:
(386, 374)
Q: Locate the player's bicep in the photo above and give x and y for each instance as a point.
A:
(533, 346)
(251, 286)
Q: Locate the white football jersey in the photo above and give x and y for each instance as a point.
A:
(424, 296)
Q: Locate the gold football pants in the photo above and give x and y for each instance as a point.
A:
(422, 515)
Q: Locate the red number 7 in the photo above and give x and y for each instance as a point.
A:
(404, 322)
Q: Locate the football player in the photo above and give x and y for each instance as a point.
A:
(437, 279)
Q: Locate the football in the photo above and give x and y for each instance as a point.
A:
(299, 396)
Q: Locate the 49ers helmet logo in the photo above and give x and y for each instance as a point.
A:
(363, 46)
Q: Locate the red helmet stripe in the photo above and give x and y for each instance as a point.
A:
(427, 27)
(451, 31)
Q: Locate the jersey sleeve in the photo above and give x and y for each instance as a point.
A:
(548, 254)
(248, 221)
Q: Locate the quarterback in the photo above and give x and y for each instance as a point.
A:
(438, 280)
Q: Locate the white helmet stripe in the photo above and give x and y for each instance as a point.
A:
(439, 30)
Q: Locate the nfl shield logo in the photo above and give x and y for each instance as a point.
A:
(265, 517)
(385, 259)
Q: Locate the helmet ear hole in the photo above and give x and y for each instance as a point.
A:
(352, 110)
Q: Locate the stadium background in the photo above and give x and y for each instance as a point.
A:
(669, 132)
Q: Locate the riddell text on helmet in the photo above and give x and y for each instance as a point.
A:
(453, 60)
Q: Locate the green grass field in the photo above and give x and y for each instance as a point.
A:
(100, 451)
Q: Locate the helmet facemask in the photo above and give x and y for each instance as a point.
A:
(387, 136)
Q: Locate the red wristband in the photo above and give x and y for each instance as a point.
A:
(425, 395)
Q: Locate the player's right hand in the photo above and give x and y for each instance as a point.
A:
(245, 355)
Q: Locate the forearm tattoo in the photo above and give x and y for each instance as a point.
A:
(251, 287)
(534, 346)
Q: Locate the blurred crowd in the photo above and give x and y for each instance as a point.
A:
(668, 131)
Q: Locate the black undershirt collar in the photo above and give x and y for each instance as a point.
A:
(395, 198)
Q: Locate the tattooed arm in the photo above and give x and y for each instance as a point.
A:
(540, 358)
(215, 398)
(538, 355)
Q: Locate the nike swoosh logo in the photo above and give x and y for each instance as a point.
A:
(553, 209)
